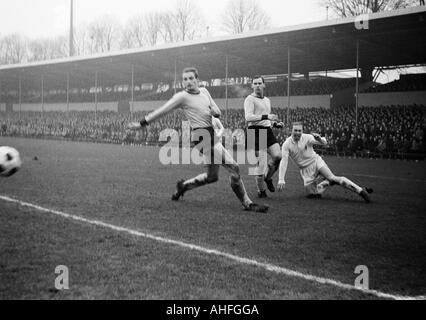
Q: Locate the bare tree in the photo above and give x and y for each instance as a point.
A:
(183, 22)
(104, 34)
(126, 41)
(46, 49)
(347, 8)
(13, 49)
(168, 27)
(141, 30)
(82, 41)
(188, 20)
(2, 51)
(153, 27)
(244, 15)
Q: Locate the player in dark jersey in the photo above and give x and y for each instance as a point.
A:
(260, 120)
(199, 107)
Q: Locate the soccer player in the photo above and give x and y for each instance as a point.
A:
(199, 107)
(312, 167)
(257, 109)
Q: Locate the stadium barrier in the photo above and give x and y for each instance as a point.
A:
(323, 151)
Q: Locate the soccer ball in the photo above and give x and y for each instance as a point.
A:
(10, 161)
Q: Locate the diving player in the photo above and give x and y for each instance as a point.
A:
(312, 167)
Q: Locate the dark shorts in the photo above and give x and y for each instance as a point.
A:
(197, 138)
(258, 130)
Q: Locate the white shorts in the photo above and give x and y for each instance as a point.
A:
(311, 172)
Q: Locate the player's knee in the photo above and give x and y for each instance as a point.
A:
(235, 169)
(335, 179)
(344, 181)
(276, 160)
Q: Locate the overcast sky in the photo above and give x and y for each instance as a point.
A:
(47, 18)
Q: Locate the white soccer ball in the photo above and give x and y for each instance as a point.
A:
(10, 161)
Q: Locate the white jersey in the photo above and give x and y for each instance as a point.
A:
(255, 108)
(198, 108)
(301, 152)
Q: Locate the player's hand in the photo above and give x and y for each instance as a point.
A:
(137, 125)
(279, 125)
(134, 126)
(281, 186)
(316, 136)
(273, 117)
(215, 114)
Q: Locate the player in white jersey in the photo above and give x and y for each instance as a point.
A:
(260, 120)
(199, 107)
(314, 171)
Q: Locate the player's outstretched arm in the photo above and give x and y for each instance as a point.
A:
(318, 139)
(283, 168)
(215, 111)
(137, 125)
(173, 103)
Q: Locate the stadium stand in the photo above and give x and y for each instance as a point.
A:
(383, 130)
(277, 88)
(409, 82)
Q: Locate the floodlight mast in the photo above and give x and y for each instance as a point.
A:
(71, 46)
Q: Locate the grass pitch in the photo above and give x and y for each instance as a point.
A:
(128, 187)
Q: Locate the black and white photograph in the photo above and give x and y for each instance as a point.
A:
(227, 152)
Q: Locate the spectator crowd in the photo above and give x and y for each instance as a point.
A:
(387, 131)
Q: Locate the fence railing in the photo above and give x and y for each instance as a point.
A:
(324, 151)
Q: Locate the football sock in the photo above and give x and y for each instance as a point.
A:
(260, 183)
(322, 186)
(237, 186)
(272, 168)
(348, 184)
(199, 181)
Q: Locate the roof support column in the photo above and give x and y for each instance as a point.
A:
(96, 96)
(226, 89)
(42, 95)
(288, 85)
(1, 94)
(132, 92)
(20, 95)
(175, 78)
(357, 85)
(68, 93)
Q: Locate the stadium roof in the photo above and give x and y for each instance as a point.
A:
(393, 38)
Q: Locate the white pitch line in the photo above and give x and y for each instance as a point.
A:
(242, 260)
